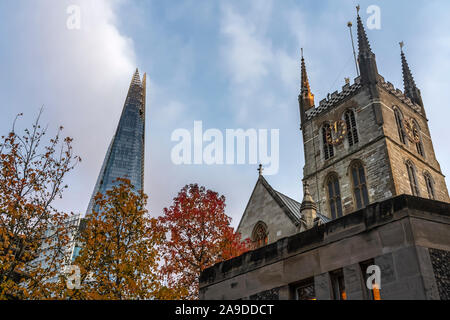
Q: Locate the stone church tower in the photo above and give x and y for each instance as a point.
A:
(370, 172)
(369, 142)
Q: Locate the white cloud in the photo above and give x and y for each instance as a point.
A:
(254, 64)
(80, 76)
(247, 52)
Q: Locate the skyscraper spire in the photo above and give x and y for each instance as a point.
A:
(306, 98)
(411, 90)
(367, 63)
(125, 155)
(136, 78)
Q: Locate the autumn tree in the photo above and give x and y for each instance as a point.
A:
(33, 236)
(199, 235)
(118, 257)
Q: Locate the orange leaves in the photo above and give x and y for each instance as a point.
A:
(198, 236)
(119, 247)
(31, 176)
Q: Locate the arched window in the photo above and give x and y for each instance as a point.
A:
(359, 185)
(430, 185)
(259, 235)
(352, 131)
(334, 196)
(328, 149)
(400, 128)
(412, 179)
(418, 139)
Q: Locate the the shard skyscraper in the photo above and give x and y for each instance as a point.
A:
(125, 155)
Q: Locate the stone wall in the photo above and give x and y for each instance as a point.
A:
(379, 149)
(440, 260)
(263, 207)
(395, 233)
(371, 150)
(399, 153)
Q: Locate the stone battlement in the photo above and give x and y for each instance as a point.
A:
(336, 97)
(371, 217)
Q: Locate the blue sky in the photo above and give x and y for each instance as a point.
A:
(231, 64)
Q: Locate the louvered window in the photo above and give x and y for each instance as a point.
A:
(400, 129)
(359, 185)
(328, 149)
(334, 196)
(352, 131)
(412, 179)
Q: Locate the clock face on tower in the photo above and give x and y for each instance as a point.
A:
(336, 132)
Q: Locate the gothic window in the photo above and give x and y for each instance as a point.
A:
(260, 236)
(327, 148)
(374, 293)
(338, 285)
(430, 186)
(400, 128)
(352, 131)
(359, 185)
(419, 145)
(334, 196)
(304, 290)
(412, 179)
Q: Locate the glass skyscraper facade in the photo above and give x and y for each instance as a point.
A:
(125, 155)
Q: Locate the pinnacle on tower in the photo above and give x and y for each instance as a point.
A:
(306, 93)
(367, 63)
(306, 98)
(411, 90)
(363, 41)
(308, 208)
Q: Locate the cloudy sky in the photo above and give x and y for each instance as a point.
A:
(231, 64)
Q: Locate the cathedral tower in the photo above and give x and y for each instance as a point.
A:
(368, 142)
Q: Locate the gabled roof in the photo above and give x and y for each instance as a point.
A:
(294, 206)
(290, 206)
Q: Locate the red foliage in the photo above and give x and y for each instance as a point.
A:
(199, 236)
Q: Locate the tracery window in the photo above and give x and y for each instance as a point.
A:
(400, 128)
(305, 290)
(419, 145)
(359, 185)
(328, 149)
(352, 131)
(334, 196)
(338, 285)
(430, 185)
(412, 179)
(374, 293)
(260, 235)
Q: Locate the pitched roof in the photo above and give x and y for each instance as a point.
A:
(290, 206)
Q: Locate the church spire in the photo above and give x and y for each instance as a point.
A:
(306, 98)
(411, 90)
(367, 63)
